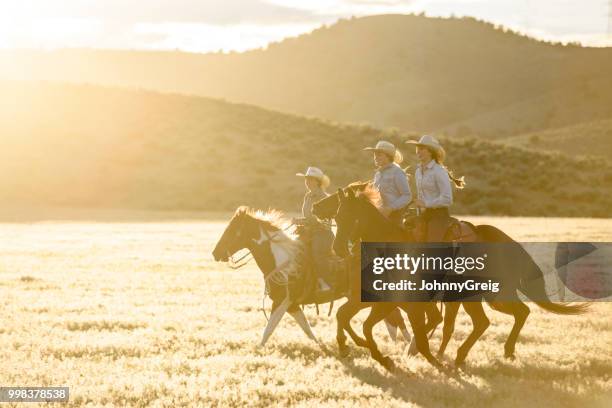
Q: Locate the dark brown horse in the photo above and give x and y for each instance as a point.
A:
(327, 209)
(358, 208)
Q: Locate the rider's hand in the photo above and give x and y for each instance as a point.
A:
(386, 211)
(418, 203)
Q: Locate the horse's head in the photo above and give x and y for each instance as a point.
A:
(326, 208)
(239, 233)
(361, 209)
(346, 217)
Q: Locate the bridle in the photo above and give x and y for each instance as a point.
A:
(269, 237)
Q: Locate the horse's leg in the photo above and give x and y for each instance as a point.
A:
(434, 317)
(301, 320)
(378, 312)
(395, 321)
(450, 315)
(343, 318)
(520, 311)
(391, 329)
(480, 323)
(278, 310)
(416, 315)
(405, 332)
(360, 341)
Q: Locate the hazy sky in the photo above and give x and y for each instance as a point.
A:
(210, 25)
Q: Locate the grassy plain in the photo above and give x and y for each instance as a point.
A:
(137, 313)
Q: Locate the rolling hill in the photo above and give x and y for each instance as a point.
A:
(101, 147)
(588, 139)
(455, 76)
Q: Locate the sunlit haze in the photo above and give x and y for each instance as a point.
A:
(212, 25)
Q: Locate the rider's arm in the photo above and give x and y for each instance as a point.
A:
(307, 207)
(401, 183)
(445, 198)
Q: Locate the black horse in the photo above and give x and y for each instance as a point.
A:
(357, 208)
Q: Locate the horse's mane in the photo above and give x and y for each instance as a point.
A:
(271, 217)
(358, 184)
(371, 194)
(276, 221)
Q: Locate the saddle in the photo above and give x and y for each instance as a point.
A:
(311, 286)
(454, 229)
(460, 231)
(308, 287)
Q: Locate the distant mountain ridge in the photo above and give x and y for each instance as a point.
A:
(460, 77)
(100, 147)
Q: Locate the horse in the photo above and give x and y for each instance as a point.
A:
(361, 208)
(275, 251)
(327, 208)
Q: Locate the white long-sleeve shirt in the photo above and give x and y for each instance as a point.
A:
(393, 186)
(433, 185)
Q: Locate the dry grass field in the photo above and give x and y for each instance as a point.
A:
(138, 314)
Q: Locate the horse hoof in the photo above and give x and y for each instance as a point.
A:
(343, 351)
(460, 363)
(509, 356)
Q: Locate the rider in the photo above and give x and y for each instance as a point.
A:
(433, 181)
(321, 235)
(390, 180)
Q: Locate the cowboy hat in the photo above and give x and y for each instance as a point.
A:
(431, 142)
(316, 173)
(387, 148)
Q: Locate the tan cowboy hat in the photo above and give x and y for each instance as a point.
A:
(431, 142)
(316, 173)
(387, 148)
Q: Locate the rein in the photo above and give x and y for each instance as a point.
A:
(274, 276)
(236, 264)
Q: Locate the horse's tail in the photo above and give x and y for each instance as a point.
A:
(564, 308)
(532, 285)
(531, 282)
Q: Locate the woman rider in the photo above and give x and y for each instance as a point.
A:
(390, 180)
(392, 184)
(433, 182)
(321, 234)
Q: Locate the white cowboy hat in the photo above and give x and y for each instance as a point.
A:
(316, 173)
(431, 142)
(388, 148)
